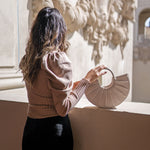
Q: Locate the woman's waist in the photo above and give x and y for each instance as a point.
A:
(37, 101)
(40, 106)
(41, 110)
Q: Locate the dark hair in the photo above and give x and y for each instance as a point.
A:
(47, 34)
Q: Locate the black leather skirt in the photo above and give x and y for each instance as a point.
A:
(53, 133)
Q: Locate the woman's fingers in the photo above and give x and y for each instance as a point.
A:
(99, 68)
(102, 73)
(93, 74)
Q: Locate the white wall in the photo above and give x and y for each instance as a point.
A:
(8, 36)
(14, 32)
(80, 55)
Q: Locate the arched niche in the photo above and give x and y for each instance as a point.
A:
(143, 16)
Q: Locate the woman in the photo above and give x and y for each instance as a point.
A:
(47, 73)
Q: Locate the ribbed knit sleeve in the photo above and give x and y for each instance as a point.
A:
(77, 93)
(59, 72)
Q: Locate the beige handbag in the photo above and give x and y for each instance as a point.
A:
(109, 96)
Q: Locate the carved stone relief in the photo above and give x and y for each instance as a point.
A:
(107, 25)
(102, 22)
(37, 5)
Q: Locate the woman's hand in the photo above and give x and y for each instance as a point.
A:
(93, 74)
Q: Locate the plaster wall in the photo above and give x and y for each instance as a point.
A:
(141, 73)
(102, 129)
(14, 32)
(8, 36)
(147, 32)
(80, 54)
(143, 3)
(23, 22)
(95, 129)
(141, 81)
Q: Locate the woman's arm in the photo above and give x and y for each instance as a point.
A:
(65, 94)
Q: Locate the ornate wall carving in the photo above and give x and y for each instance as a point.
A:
(39, 4)
(104, 23)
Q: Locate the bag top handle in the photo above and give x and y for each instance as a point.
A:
(110, 71)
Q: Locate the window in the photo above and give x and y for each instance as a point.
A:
(147, 29)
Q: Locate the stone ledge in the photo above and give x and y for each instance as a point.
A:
(20, 95)
(11, 83)
(14, 95)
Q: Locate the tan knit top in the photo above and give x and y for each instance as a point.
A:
(52, 93)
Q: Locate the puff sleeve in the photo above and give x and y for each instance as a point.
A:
(59, 70)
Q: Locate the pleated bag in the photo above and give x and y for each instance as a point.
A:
(111, 95)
